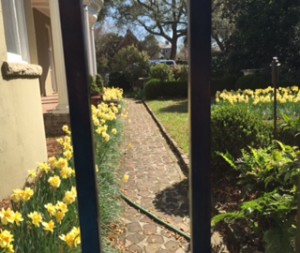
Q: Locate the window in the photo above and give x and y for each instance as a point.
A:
(15, 30)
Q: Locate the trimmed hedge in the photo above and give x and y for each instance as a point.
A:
(254, 81)
(155, 88)
(235, 128)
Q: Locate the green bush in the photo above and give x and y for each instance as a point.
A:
(163, 72)
(99, 82)
(132, 63)
(254, 81)
(234, 128)
(94, 89)
(119, 79)
(181, 73)
(155, 88)
(268, 179)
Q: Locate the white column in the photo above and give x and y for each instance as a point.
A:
(93, 47)
(88, 40)
(63, 104)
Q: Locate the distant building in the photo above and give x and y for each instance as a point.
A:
(165, 50)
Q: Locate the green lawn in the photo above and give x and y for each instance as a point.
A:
(173, 115)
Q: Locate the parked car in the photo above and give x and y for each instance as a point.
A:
(171, 63)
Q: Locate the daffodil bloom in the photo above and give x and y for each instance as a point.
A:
(54, 181)
(51, 209)
(65, 128)
(36, 218)
(44, 167)
(32, 174)
(59, 215)
(49, 226)
(7, 216)
(18, 218)
(114, 131)
(72, 238)
(61, 163)
(17, 195)
(52, 160)
(70, 196)
(6, 239)
(66, 172)
(68, 154)
(125, 178)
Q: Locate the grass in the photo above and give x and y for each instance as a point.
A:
(173, 114)
(107, 159)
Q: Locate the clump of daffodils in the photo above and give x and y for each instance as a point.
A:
(284, 95)
(47, 209)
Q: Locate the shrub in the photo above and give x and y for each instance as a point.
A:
(234, 128)
(154, 88)
(254, 81)
(163, 72)
(132, 63)
(181, 73)
(118, 79)
(268, 179)
(96, 85)
(99, 82)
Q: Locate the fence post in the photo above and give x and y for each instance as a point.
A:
(275, 65)
(71, 16)
(199, 110)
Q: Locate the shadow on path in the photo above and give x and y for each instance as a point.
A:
(173, 200)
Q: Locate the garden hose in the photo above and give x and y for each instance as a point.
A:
(154, 217)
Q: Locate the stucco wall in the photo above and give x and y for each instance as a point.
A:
(22, 135)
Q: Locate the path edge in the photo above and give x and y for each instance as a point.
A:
(182, 158)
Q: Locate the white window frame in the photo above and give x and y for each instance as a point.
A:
(15, 31)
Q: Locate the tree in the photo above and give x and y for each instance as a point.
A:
(132, 63)
(264, 29)
(107, 46)
(164, 18)
(150, 45)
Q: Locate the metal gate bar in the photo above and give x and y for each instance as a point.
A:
(71, 15)
(199, 109)
(199, 106)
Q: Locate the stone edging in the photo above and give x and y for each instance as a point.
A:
(181, 156)
(20, 70)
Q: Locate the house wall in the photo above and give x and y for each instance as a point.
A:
(22, 135)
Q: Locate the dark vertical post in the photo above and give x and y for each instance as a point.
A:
(199, 109)
(275, 64)
(71, 14)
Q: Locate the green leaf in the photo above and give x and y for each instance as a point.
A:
(226, 217)
(278, 240)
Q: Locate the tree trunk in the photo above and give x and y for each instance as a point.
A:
(173, 49)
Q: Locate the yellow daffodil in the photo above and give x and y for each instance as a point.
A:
(114, 131)
(125, 178)
(7, 216)
(18, 218)
(44, 167)
(54, 181)
(36, 218)
(70, 196)
(6, 239)
(49, 226)
(19, 195)
(51, 209)
(72, 238)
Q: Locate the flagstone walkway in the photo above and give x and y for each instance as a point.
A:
(155, 183)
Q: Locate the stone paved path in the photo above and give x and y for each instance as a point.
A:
(156, 183)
